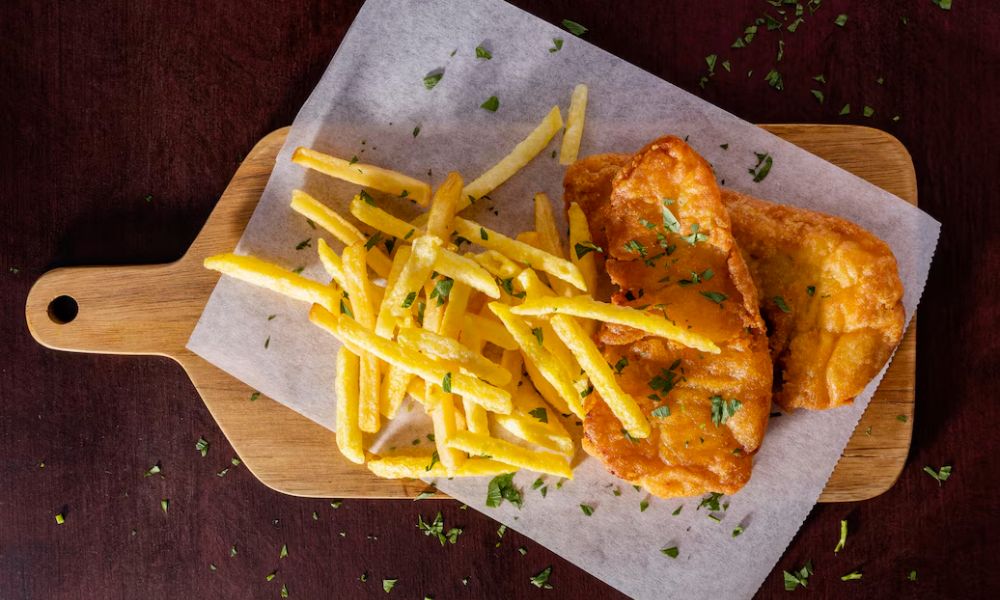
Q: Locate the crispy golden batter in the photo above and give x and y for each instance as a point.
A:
(694, 274)
(830, 293)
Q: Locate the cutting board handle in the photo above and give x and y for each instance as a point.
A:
(111, 310)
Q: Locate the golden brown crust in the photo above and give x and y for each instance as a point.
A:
(691, 451)
(835, 339)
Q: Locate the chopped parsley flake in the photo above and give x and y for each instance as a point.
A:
(716, 297)
(818, 94)
(912, 576)
(843, 536)
(502, 488)
(811, 290)
(446, 382)
(851, 576)
(434, 460)
(669, 220)
(585, 248)
(621, 364)
(432, 80)
(483, 234)
(587, 509)
(773, 79)
(574, 27)
(442, 289)
(902, 418)
(270, 576)
(867, 111)
(542, 579)
(762, 168)
(635, 247)
(797, 578)
(345, 309)
(738, 531)
(941, 475)
(557, 44)
(538, 333)
(366, 197)
(840, 21)
(202, 445)
(643, 505)
(540, 413)
(284, 551)
(672, 551)
(661, 411)
(696, 235)
(780, 302)
(677, 511)
(846, 110)
(388, 584)
(943, 5)
(374, 239)
(303, 244)
(408, 301)
(60, 519)
(722, 410)
(155, 469)
(491, 104)
(537, 484)
(483, 53)
(164, 504)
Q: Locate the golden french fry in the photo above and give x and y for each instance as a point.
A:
(536, 433)
(497, 264)
(378, 219)
(534, 288)
(588, 308)
(602, 378)
(454, 311)
(417, 467)
(547, 391)
(513, 362)
(349, 439)
(443, 417)
(548, 240)
(255, 271)
(394, 387)
(476, 417)
(581, 250)
(477, 444)
(443, 207)
(528, 237)
(434, 307)
(466, 270)
(489, 330)
(359, 290)
(385, 323)
(339, 227)
(574, 125)
(550, 368)
(433, 371)
(371, 176)
(401, 298)
(520, 156)
(451, 350)
(521, 252)
(331, 262)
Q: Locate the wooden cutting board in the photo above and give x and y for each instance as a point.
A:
(153, 309)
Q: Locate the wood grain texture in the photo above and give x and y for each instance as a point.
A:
(153, 309)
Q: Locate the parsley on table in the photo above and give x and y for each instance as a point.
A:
(540, 413)
(843, 536)
(762, 168)
(155, 469)
(542, 579)
(722, 409)
(797, 578)
(867, 111)
(819, 95)
(912, 576)
(846, 110)
(388, 584)
(585, 248)
(574, 27)
(201, 446)
(587, 509)
(942, 4)
(432, 80)
(557, 44)
(60, 519)
(270, 576)
(164, 504)
(672, 551)
(502, 488)
(429, 493)
(941, 475)
(284, 551)
(483, 53)
(773, 79)
(841, 20)
(851, 576)
(902, 418)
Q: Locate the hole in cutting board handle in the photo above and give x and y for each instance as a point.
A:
(63, 309)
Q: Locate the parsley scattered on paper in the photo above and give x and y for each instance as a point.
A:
(502, 488)
(483, 53)
(557, 44)
(672, 551)
(587, 509)
(762, 168)
(491, 104)
(432, 80)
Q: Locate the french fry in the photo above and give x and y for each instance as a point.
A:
(385, 323)
(476, 418)
(466, 270)
(350, 332)
(548, 240)
(588, 308)
(520, 156)
(331, 262)
(489, 330)
(451, 350)
(359, 289)
(378, 219)
(534, 288)
(434, 307)
(401, 297)
(521, 252)
(528, 237)
(348, 436)
(477, 444)
(536, 433)
(513, 362)
(602, 378)
(497, 264)
(339, 227)
(443, 207)
(574, 125)
(371, 176)
(454, 311)
(255, 271)
(417, 467)
(443, 416)
(394, 389)
(535, 353)
(581, 250)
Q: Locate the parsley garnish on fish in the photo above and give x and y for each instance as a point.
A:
(722, 409)
(697, 277)
(635, 247)
(669, 221)
(780, 302)
(620, 364)
(716, 297)
(696, 235)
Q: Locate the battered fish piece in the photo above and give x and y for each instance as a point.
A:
(838, 282)
(831, 296)
(669, 249)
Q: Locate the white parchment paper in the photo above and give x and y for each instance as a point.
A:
(369, 102)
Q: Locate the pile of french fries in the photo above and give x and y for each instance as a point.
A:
(457, 331)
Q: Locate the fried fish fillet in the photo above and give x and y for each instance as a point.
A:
(830, 293)
(669, 249)
(838, 283)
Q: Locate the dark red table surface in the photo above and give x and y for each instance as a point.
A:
(104, 104)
